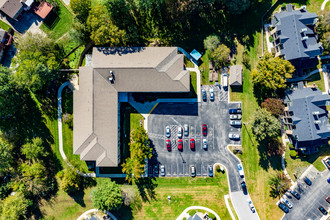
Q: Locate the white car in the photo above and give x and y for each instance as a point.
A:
(286, 202)
(162, 170)
(204, 144)
(236, 116)
(234, 136)
(168, 131)
(240, 170)
(235, 122)
(251, 206)
(211, 95)
(186, 129)
(179, 132)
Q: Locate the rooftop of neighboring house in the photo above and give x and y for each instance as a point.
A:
(295, 29)
(114, 70)
(309, 114)
(236, 75)
(10, 7)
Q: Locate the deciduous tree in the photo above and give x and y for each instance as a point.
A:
(6, 157)
(274, 106)
(71, 181)
(211, 42)
(237, 6)
(14, 207)
(279, 184)
(323, 30)
(103, 31)
(106, 196)
(220, 56)
(265, 126)
(34, 150)
(271, 75)
(81, 8)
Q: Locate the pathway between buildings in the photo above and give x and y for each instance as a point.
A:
(185, 214)
(91, 211)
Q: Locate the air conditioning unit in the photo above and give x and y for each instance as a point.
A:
(317, 122)
(303, 30)
(316, 113)
(305, 38)
(303, 7)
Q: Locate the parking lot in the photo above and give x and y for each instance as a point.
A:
(311, 196)
(215, 115)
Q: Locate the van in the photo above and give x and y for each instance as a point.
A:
(225, 81)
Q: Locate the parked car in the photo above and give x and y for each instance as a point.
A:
(186, 129)
(240, 170)
(168, 144)
(235, 111)
(162, 170)
(180, 147)
(204, 144)
(295, 194)
(234, 136)
(328, 180)
(192, 171)
(225, 81)
(307, 181)
(322, 209)
(328, 199)
(235, 117)
(168, 131)
(235, 123)
(179, 132)
(204, 128)
(244, 188)
(251, 206)
(210, 168)
(286, 202)
(211, 95)
(204, 95)
(192, 144)
(156, 170)
(283, 207)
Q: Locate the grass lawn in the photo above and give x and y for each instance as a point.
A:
(185, 192)
(4, 26)
(304, 161)
(135, 119)
(204, 68)
(317, 78)
(232, 208)
(57, 23)
(193, 81)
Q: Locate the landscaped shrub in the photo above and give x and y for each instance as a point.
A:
(291, 146)
(211, 215)
(246, 60)
(293, 153)
(271, 39)
(217, 168)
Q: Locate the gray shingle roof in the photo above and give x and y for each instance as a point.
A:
(10, 7)
(96, 109)
(236, 75)
(290, 24)
(305, 102)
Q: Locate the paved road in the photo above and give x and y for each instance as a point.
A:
(311, 197)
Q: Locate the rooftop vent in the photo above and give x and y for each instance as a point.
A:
(303, 30)
(111, 77)
(316, 113)
(305, 38)
(317, 122)
(303, 8)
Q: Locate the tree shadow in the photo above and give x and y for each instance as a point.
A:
(146, 187)
(267, 159)
(78, 197)
(124, 213)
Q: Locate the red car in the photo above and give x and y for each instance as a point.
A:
(180, 144)
(328, 199)
(204, 129)
(168, 144)
(192, 144)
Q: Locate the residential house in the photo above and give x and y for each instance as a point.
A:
(115, 72)
(306, 118)
(6, 40)
(295, 39)
(236, 76)
(14, 8)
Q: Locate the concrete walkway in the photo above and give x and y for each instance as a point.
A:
(228, 207)
(283, 159)
(304, 77)
(91, 211)
(324, 4)
(184, 214)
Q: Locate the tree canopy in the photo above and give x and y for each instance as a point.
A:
(265, 126)
(140, 150)
(6, 157)
(270, 75)
(106, 196)
(220, 56)
(237, 6)
(34, 150)
(211, 42)
(323, 30)
(71, 181)
(279, 184)
(274, 106)
(103, 31)
(37, 61)
(81, 8)
(14, 207)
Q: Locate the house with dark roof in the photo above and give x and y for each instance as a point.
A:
(113, 73)
(306, 118)
(236, 76)
(14, 8)
(295, 39)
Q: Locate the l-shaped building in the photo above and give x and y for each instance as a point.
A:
(115, 72)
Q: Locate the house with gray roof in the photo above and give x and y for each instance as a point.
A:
(14, 8)
(236, 76)
(306, 118)
(295, 39)
(115, 72)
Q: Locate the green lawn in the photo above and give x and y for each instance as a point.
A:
(317, 78)
(57, 24)
(135, 119)
(4, 26)
(232, 208)
(193, 82)
(204, 69)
